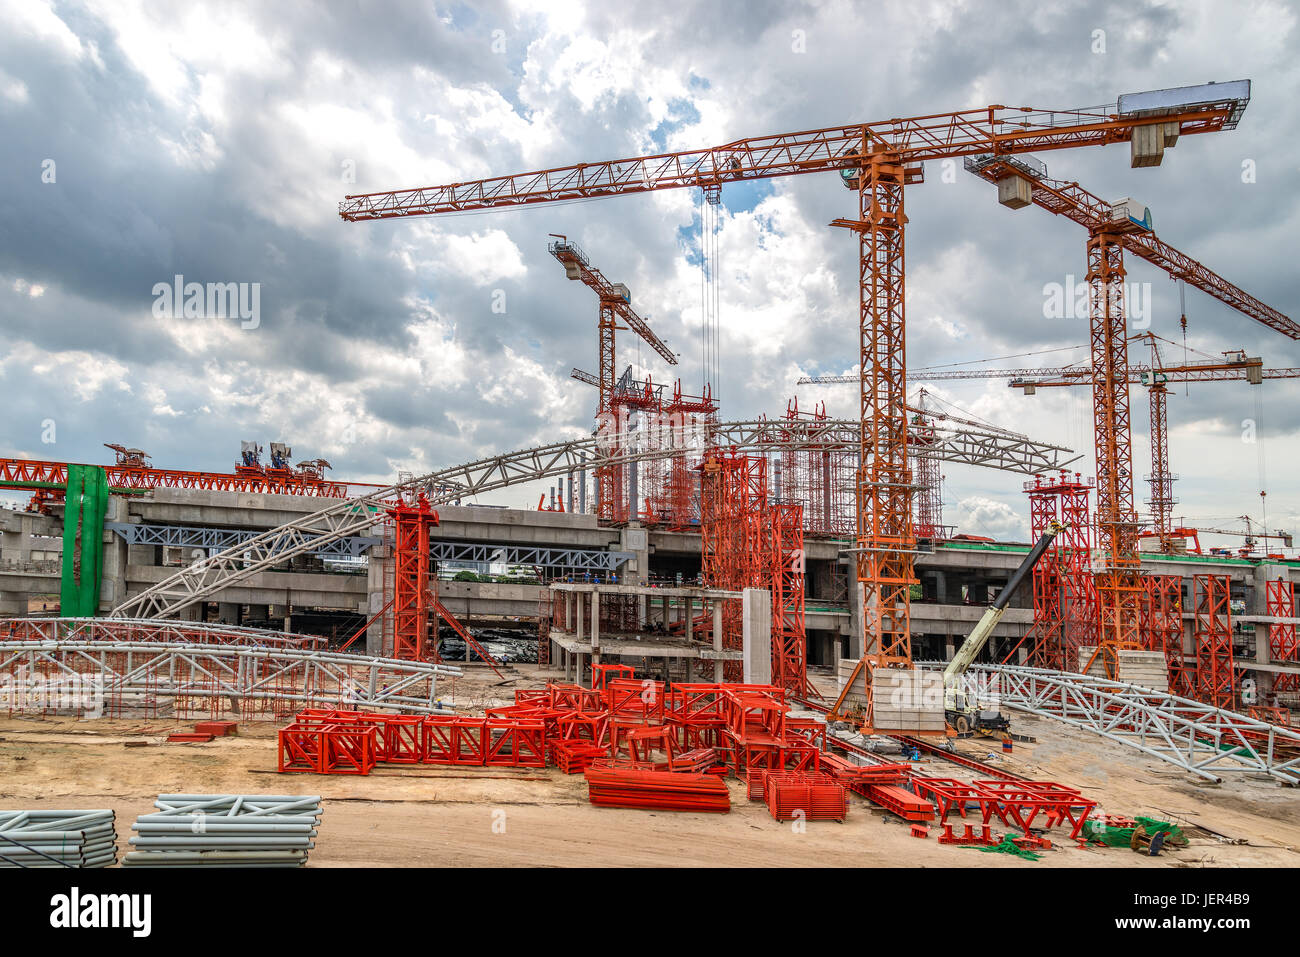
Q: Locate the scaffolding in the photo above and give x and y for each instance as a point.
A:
(1282, 645)
(1215, 683)
(1161, 629)
(817, 477)
(683, 421)
(1065, 612)
(752, 542)
(928, 518)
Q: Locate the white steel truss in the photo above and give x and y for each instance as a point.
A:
(206, 577)
(1200, 738)
(212, 678)
(138, 630)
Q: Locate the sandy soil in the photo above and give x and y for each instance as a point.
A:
(460, 817)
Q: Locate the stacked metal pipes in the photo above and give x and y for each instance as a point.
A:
(226, 830)
(50, 838)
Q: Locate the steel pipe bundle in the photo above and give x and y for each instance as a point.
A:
(657, 790)
(226, 830)
(50, 838)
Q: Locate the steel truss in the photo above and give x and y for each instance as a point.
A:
(191, 536)
(1195, 736)
(137, 630)
(209, 680)
(206, 577)
(558, 560)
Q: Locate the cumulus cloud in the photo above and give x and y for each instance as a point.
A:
(216, 142)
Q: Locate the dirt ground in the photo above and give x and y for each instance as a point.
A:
(470, 817)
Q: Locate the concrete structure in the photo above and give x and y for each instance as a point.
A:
(659, 634)
(333, 594)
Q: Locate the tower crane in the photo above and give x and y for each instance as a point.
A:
(1155, 377)
(875, 160)
(615, 303)
(1112, 229)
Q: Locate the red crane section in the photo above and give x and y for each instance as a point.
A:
(992, 129)
(614, 303)
(1094, 213)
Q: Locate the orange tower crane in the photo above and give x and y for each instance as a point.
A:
(1155, 377)
(875, 160)
(1113, 228)
(615, 304)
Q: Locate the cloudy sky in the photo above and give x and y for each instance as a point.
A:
(139, 141)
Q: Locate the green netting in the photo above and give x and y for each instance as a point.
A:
(1123, 836)
(1008, 846)
(1152, 826)
(83, 541)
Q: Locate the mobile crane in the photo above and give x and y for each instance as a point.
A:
(961, 710)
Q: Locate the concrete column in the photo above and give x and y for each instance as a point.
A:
(229, 611)
(717, 639)
(756, 618)
(688, 607)
(595, 630)
(855, 617)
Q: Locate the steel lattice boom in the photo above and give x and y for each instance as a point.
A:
(358, 516)
(1206, 740)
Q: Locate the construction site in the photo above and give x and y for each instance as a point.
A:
(694, 638)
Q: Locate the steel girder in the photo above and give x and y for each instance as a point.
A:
(191, 536)
(350, 517)
(563, 560)
(225, 674)
(1198, 737)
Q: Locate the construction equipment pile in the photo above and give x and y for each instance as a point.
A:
(50, 838)
(647, 744)
(226, 830)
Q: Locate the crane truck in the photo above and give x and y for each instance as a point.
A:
(961, 710)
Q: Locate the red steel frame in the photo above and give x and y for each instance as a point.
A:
(1282, 645)
(681, 496)
(1014, 803)
(929, 493)
(1162, 621)
(1065, 611)
(1215, 681)
(750, 542)
(412, 600)
(51, 476)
